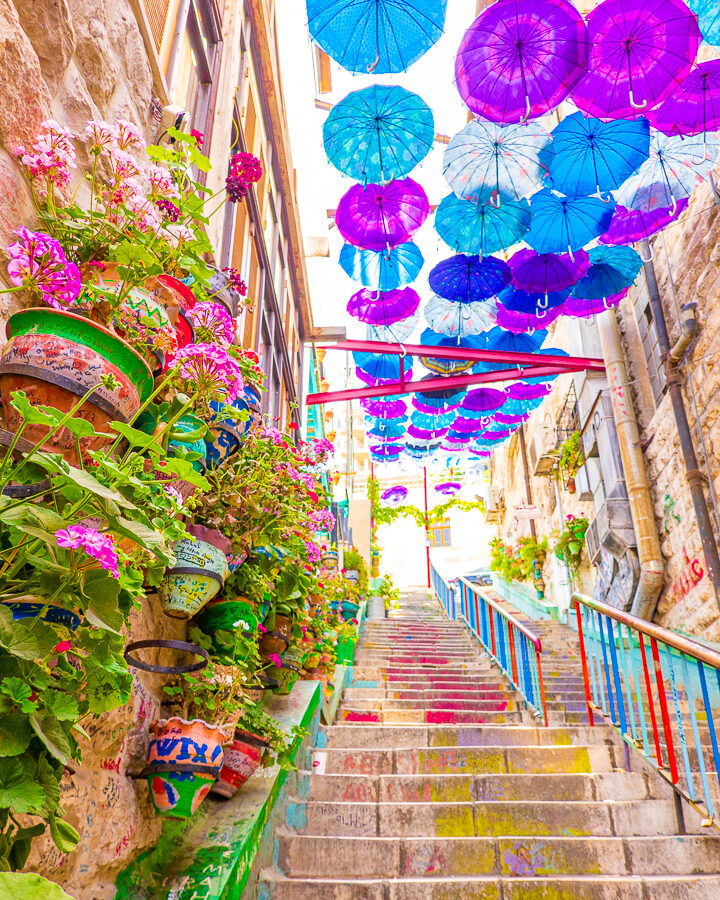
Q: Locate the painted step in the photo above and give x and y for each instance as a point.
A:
(500, 704)
(388, 693)
(440, 736)
(428, 716)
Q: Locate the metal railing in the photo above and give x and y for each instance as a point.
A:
(510, 643)
(660, 690)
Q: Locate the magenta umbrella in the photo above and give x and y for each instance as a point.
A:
(449, 488)
(639, 51)
(510, 419)
(425, 434)
(520, 58)
(546, 272)
(585, 309)
(384, 408)
(380, 216)
(630, 225)
(694, 105)
(527, 322)
(481, 400)
(528, 392)
(383, 307)
(394, 494)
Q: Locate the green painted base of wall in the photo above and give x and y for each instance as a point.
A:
(524, 599)
(211, 856)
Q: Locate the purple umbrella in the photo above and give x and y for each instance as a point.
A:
(394, 494)
(694, 105)
(497, 434)
(425, 434)
(385, 451)
(527, 322)
(455, 444)
(481, 400)
(383, 307)
(450, 488)
(485, 454)
(585, 309)
(462, 426)
(630, 225)
(520, 58)
(546, 272)
(380, 216)
(527, 392)
(370, 380)
(467, 279)
(639, 50)
(384, 407)
(510, 419)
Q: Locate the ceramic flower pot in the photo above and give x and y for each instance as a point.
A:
(228, 434)
(287, 675)
(198, 574)
(226, 615)
(312, 661)
(330, 559)
(22, 609)
(283, 626)
(177, 795)
(254, 692)
(242, 759)
(349, 610)
(188, 425)
(273, 642)
(178, 742)
(223, 292)
(55, 358)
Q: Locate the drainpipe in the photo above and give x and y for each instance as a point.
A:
(689, 326)
(652, 565)
(692, 473)
(526, 473)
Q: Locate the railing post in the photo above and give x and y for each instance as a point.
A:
(513, 656)
(651, 703)
(583, 657)
(541, 685)
(664, 711)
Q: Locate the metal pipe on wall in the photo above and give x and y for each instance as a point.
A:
(692, 472)
(652, 564)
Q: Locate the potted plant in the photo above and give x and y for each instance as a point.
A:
(570, 459)
(569, 545)
(198, 574)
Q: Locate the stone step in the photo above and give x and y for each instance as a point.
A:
(382, 857)
(692, 887)
(388, 693)
(499, 704)
(469, 760)
(428, 716)
(484, 818)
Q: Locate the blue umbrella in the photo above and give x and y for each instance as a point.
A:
(386, 431)
(382, 365)
(451, 318)
(440, 400)
(547, 351)
(560, 225)
(612, 269)
(445, 366)
(385, 452)
(482, 228)
(376, 35)
(378, 133)
(467, 279)
(428, 421)
(522, 302)
(593, 157)
(382, 270)
(499, 339)
(708, 13)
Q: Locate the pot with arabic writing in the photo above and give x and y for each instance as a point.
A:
(199, 572)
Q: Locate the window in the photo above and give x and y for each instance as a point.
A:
(649, 340)
(440, 534)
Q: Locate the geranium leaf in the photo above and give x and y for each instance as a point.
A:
(17, 789)
(29, 886)
(19, 692)
(15, 734)
(34, 415)
(51, 733)
(15, 638)
(63, 706)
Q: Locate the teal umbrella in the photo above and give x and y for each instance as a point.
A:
(561, 225)
(612, 269)
(382, 270)
(481, 228)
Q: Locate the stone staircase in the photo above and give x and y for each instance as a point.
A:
(437, 784)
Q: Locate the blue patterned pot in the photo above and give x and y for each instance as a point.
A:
(55, 614)
(199, 572)
(228, 433)
(177, 795)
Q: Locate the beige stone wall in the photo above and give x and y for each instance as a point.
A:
(689, 272)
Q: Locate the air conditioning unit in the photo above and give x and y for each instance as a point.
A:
(540, 454)
(496, 505)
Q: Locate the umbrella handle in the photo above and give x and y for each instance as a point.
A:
(649, 259)
(372, 66)
(570, 254)
(673, 208)
(527, 110)
(493, 203)
(543, 302)
(641, 105)
(599, 195)
(705, 157)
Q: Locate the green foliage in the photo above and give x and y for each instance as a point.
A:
(524, 562)
(569, 546)
(281, 744)
(389, 593)
(29, 886)
(386, 515)
(353, 561)
(571, 456)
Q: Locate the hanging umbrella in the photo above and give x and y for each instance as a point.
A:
(384, 407)
(430, 338)
(630, 225)
(481, 228)
(527, 322)
(546, 272)
(544, 379)
(530, 394)
(395, 494)
(485, 161)
(516, 300)
(380, 216)
(428, 421)
(449, 488)
(437, 400)
(425, 434)
(612, 269)
(464, 427)
(397, 333)
(421, 449)
(677, 165)
(559, 224)
(383, 307)
(369, 379)
(383, 366)
(580, 308)
(455, 443)
(594, 157)
(694, 105)
(378, 133)
(451, 318)
(639, 50)
(481, 402)
(520, 58)
(386, 430)
(467, 279)
(377, 36)
(510, 418)
(385, 452)
(382, 270)
(480, 452)
(708, 13)
(498, 339)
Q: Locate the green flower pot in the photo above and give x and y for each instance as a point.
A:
(177, 795)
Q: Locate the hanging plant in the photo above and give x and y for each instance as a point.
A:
(569, 545)
(570, 459)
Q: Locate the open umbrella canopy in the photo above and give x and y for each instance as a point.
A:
(380, 216)
(485, 161)
(630, 225)
(546, 272)
(430, 421)
(383, 307)
(384, 407)
(395, 494)
(468, 427)
(580, 308)
(470, 227)
(376, 35)
(527, 322)
(534, 303)
(382, 365)
(480, 402)
(396, 333)
(520, 58)
(455, 443)
(421, 449)
(385, 452)
(561, 225)
(438, 400)
(612, 269)
(385, 430)
(529, 394)
(426, 434)
(451, 318)
(639, 50)
(431, 338)
(449, 488)
(468, 279)
(677, 165)
(694, 105)
(708, 13)
(547, 351)
(378, 133)
(382, 270)
(593, 157)
(497, 434)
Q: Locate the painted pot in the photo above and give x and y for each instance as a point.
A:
(178, 742)
(198, 574)
(222, 291)
(349, 610)
(330, 559)
(186, 426)
(273, 642)
(177, 795)
(283, 626)
(254, 692)
(312, 661)
(55, 357)
(226, 615)
(242, 759)
(287, 675)
(228, 434)
(55, 614)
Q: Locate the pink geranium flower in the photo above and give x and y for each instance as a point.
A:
(212, 323)
(211, 370)
(38, 263)
(276, 659)
(100, 546)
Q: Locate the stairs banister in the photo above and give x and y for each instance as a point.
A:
(516, 623)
